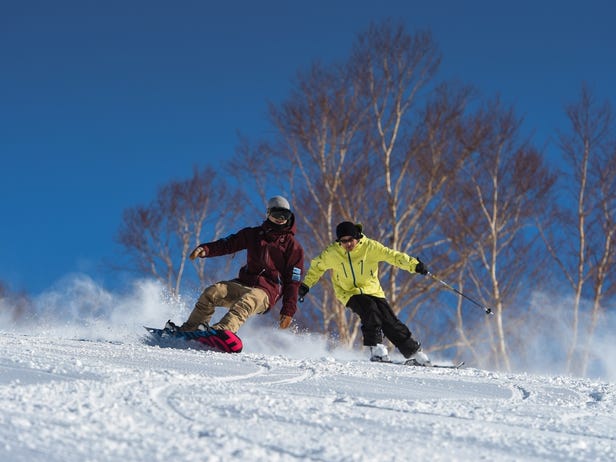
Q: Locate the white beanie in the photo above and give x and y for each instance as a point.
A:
(278, 202)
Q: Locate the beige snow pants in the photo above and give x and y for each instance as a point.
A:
(242, 302)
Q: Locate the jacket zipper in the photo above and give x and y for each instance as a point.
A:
(353, 273)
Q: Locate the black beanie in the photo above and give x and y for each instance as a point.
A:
(346, 228)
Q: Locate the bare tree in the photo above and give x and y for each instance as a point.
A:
(159, 237)
(587, 251)
(392, 69)
(320, 127)
(492, 207)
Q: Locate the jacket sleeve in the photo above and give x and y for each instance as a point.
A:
(318, 266)
(230, 244)
(292, 278)
(394, 257)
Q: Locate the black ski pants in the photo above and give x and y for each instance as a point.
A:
(378, 319)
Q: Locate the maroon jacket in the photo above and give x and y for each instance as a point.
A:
(275, 260)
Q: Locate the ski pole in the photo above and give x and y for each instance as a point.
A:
(487, 310)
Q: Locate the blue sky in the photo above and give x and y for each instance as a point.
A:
(102, 102)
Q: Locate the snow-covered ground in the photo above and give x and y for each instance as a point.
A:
(69, 399)
(98, 392)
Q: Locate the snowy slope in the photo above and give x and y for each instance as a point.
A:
(78, 399)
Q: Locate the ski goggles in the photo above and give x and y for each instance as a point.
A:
(280, 213)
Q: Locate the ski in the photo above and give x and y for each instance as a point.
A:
(441, 366)
(438, 366)
(449, 366)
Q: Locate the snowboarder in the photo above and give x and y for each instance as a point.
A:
(353, 260)
(274, 267)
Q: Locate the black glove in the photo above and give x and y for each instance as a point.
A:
(302, 291)
(421, 268)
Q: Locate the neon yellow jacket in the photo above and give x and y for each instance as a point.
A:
(356, 272)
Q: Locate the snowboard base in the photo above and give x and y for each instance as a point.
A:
(219, 340)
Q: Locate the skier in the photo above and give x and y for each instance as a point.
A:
(353, 260)
(274, 266)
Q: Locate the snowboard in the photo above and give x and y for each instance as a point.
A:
(211, 339)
